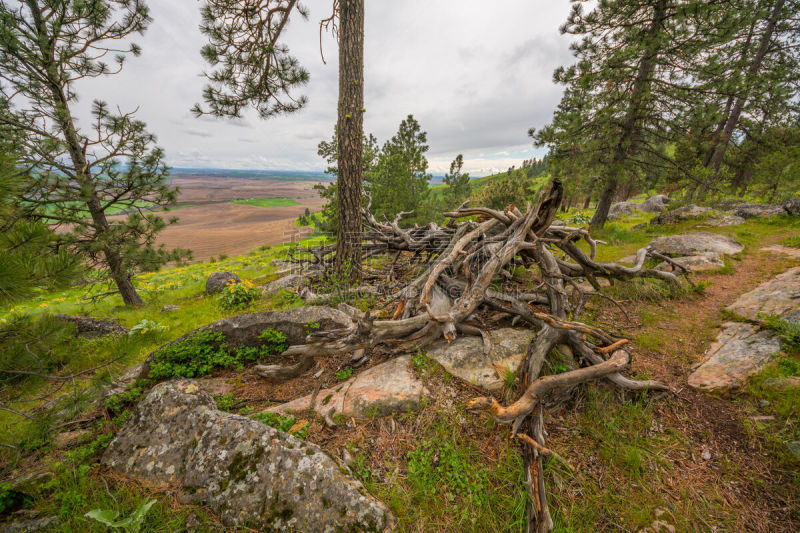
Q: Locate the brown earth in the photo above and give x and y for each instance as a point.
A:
(211, 225)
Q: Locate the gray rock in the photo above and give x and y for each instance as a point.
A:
(696, 243)
(758, 210)
(779, 296)
(621, 209)
(378, 391)
(739, 351)
(465, 357)
(792, 207)
(694, 263)
(655, 204)
(247, 472)
(29, 525)
(243, 330)
(93, 327)
(219, 280)
(794, 448)
(784, 383)
(170, 308)
(122, 383)
(725, 220)
(292, 280)
(682, 213)
(785, 250)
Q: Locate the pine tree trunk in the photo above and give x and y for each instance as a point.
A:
(350, 132)
(587, 202)
(604, 205)
(733, 119)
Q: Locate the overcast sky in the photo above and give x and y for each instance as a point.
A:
(475, 74)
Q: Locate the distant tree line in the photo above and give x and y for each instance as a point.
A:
(683, 94)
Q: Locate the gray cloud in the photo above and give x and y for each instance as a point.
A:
(476, 79)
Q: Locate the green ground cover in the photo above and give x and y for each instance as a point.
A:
(267, 202)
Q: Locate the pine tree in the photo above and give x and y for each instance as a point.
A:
(458, 185)
(252, 68)
(77, 177)
(399, 182)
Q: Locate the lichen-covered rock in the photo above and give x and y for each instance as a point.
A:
(243, 330)
(288, 281)
(740, 350)
(378, 391)
(758, 210)
(93, 327)
(655, 204)
(682, 213)
(694, 263)
(621, 209)
(792, 207)
(248, 473)
(725, 220)
(779, 296)
(696, 243)
(219, 280)
(465, 357)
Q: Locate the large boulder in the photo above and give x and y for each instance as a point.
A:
(682, 213)
(696, 243)
(739, 351)
(655, 204)
(248, 473)
(792, 207)
(758, 210)
(243, 330)
(694, 263)
(378, 391)
(219, 280)
(93, 327)
(286, 282)
(621, 209)
(465, 357)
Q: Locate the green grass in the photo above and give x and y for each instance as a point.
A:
(267, 202)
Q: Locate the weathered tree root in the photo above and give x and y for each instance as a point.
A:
(468, 266)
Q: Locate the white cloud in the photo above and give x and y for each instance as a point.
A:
(476, 78)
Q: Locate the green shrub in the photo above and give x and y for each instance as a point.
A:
(789, 332)
(238, 295)
(131, 524)
(193, 357)
(146, 326)
(225, 402)
(274, 342)
(344, 373)
(281, 422)
(11, 499)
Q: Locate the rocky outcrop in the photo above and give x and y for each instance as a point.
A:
(219, 280)
(725, 220)
(792, 207)
(783, 250)
(779, 296)
(384, 389)
(655, 204)
(248, 473)
(742, 349)
(243, 330)
(696, 243)
(465, 357)
(694, 263)
(286, 282)
(93, 327)
(739, 351)
(621, 209)
(758, 210)
(682, 213)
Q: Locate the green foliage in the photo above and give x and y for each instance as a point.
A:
(117, 403)
(789, 332)
(225, 402)
(267, 202)
(131, 524)
(275, 342)
(458, 185)
(344, 373)
(146, 326)
(11, 499)
(281, 422)
(192, 357)
(646, 290)
(311, 327)
(515, 187)
(579, 218)
(238, 295)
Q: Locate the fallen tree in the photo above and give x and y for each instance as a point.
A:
(468, 266)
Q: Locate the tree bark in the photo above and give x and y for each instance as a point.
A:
(733, 119)
(350, 132)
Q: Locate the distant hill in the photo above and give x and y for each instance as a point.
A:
(284, 175)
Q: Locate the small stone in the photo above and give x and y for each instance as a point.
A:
(763, 403)
(762, 418)
(706, 454)
(170, 308)
(794, 448)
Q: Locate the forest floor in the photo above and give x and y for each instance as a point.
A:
(637, 462)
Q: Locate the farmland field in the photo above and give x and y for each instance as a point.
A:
(231, 215)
